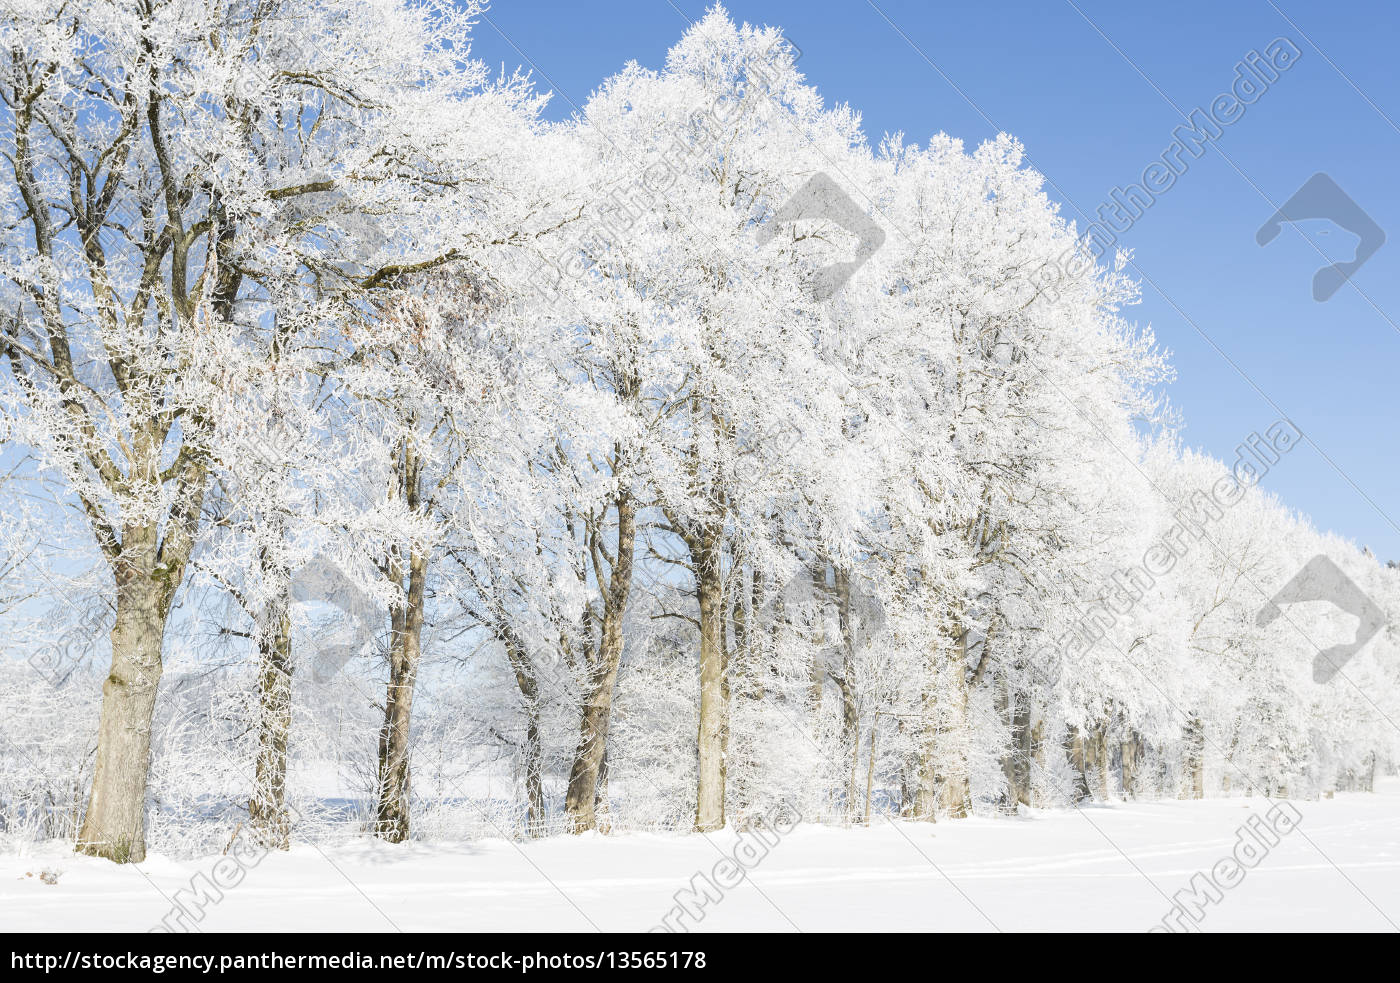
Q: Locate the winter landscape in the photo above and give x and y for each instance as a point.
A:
(425, 506)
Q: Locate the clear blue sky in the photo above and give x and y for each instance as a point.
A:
(1091, 116)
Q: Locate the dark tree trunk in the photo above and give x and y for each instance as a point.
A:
(532, 752)
(405, 650)
(114, 825)
(268, 820)
(1078, 756)
(580, 802)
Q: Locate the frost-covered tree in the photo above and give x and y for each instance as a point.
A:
(648, 469)
(178, 171)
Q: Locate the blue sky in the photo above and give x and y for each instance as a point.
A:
(1088, 87)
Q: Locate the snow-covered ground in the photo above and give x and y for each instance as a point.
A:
(1109, 867)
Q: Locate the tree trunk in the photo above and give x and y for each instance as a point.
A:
(532, 753)
(925, 808)
(1099, 762)
(956, 782)
(1132, 758)
(1078, 756)
(581, 797)
(114, 826)
(392, 812)
(1016, 762)
(580, 802)
(926, 795)
(817, 687)
(906, 788)
(1038, 752)
(709, 585)
(1196, 759)
(534, 772)
(268, 821)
